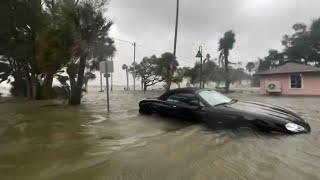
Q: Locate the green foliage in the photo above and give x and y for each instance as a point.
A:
(179, 75)
(149, 71)
(303, 47)
(250, 67)
(64, 90)
(18, 88)
(225, 45)
(38, 38)
(47, 93)
(153, 70)
(166, 65)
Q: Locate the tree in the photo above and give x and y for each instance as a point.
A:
(167, 64)
(90, 36)
(179, 76)
(149, 71)
(301, 47)
(20, 36)
(225, 45)
(43, 36)
(239, 75)
(208, 72)
(250, 66)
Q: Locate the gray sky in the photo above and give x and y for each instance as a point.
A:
(259, 25)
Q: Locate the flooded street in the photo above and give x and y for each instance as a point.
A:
(46, 140)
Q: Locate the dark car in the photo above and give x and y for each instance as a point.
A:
(219, 111)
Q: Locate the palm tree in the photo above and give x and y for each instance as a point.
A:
(125, 67)
(225, 45)
(250, 66)
(90, 36)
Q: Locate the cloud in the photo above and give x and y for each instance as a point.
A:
(259, 25)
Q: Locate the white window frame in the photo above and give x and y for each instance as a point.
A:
(302, 82)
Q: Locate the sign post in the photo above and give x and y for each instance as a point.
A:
(106, 67)
(107, 83)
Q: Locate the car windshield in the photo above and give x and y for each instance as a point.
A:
(214, 98)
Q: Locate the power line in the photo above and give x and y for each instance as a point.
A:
(122, 40)
(151, 50)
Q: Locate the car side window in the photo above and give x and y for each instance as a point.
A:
(184, 99)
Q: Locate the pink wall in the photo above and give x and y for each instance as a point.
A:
(311, 84)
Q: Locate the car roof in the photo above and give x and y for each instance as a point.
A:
(180, 90)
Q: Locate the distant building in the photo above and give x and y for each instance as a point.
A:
(290, 79)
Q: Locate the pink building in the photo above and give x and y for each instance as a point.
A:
(290, 79)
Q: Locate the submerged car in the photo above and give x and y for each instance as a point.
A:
(219, 111)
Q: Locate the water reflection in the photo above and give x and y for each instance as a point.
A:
(43, 140)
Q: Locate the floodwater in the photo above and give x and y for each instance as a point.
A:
(46, 140)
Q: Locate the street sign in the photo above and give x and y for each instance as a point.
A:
(104, 64)
(106, 67)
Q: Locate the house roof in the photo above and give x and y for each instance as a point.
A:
(290, 68)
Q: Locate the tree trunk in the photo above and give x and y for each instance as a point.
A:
(73, 87)
(34, 82)
(226, 66)
(169, 79)
(145, 88)
(77, 91)
(29, 88)
(48, 80)
(141, 83)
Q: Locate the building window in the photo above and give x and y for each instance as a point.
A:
(296, 81)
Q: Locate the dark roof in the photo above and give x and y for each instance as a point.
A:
(180, 90)
(290, 68)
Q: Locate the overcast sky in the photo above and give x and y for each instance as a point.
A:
(259, 25)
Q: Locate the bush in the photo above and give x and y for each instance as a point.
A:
(63, 92)
(18, 89)
(47, 93)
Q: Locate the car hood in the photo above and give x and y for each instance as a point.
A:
(268, 111)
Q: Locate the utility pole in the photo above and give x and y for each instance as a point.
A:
(175, 44)
(176, 30)
(134, 60)
(134, 66)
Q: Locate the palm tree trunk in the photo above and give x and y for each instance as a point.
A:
(226, 67)
(76, 94)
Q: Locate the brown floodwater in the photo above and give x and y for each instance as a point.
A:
(46, 140)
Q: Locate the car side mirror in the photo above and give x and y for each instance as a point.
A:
(195, 103)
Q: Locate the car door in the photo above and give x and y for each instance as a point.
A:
(221, 117)
(185, 106)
